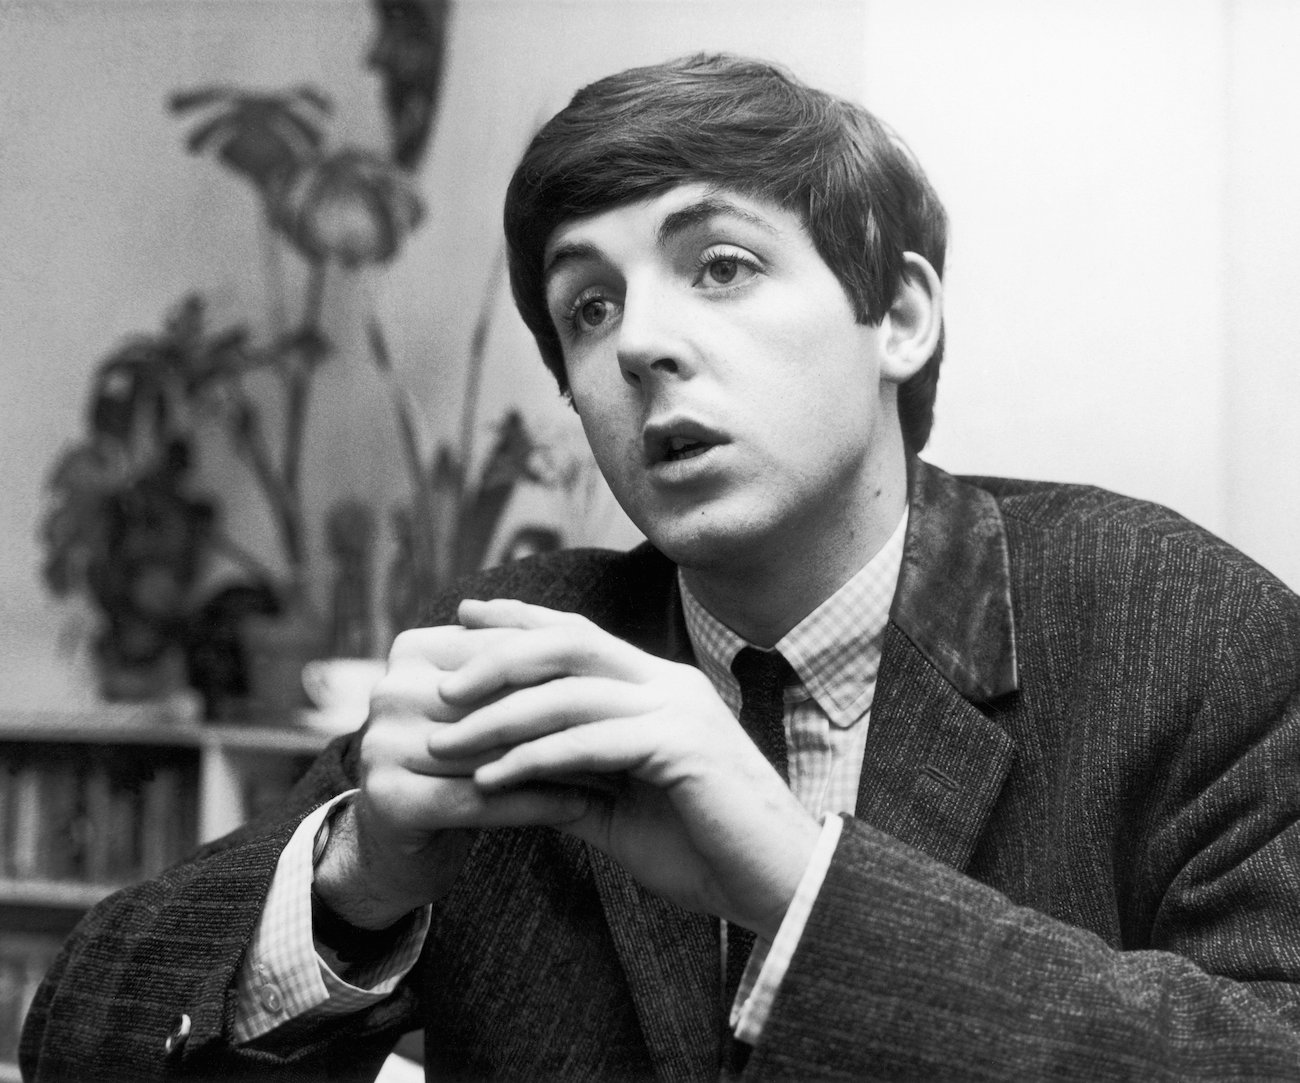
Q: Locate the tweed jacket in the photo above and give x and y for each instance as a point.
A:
(1075, 853)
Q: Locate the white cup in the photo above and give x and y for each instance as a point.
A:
(340, 689)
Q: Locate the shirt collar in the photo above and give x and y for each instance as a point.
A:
(834, 650)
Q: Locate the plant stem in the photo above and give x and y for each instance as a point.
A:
(308, 346)
(474, 373)
(274, 278)
(408, 434)
(249, 439)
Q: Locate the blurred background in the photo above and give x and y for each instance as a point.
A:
(1120, 177)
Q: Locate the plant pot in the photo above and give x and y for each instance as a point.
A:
(140, 682)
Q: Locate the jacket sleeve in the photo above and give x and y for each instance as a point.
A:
(909, 968)
(170, 947)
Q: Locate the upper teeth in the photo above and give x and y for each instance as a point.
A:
(679, 443)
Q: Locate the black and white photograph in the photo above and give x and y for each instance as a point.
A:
(619, 540)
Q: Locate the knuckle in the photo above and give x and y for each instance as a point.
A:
(579, 645)
(397, 693)
(407, 643)
(690, 677)
(515, 609)
(440, 645)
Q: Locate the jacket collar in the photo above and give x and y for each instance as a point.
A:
(954, 588)
(953, 600)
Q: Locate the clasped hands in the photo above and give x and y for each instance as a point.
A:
(522, 715)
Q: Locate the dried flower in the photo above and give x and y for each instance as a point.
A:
(261, 136)
(352, 207)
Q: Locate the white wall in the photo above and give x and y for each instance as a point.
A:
(1261, 362)
(1080, 149)
(1120, 175)
(1126, 244)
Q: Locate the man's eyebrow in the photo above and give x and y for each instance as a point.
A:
(673, 225)
(564, 252)
(684, 218)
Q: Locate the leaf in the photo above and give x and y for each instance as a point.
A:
(260, 136)
(507, 465)
(315, 96)
(182, 101)
(309, 130)
(204, 134)
(483, 323)
(445, 474)
(509, 461)
(417, 34)
(184, 322)
(379, 347)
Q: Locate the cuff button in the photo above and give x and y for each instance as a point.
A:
(271, 999)
(177, 1036)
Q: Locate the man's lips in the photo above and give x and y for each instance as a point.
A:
(681, 448)
(674, 440)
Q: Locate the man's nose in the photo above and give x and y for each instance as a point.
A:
(653, 335)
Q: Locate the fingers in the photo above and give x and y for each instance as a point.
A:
(600, 748)
(501, 644)
(535, 655)
(400, 741)
(445, 647)
(446, 804)
(511, 613)
(534, 711)
(419, 660)
(410, 690)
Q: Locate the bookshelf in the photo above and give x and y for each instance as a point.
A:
(93, 800)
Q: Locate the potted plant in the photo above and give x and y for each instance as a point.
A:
(129, 526)
(126, 526)
(126, 486)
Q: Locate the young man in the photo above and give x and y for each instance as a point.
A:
(1027, 802)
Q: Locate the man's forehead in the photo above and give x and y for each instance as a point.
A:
(668, 212)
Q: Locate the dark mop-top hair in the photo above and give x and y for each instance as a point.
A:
(746, 126)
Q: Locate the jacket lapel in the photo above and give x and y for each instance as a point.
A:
(670, 956)
(934, 762)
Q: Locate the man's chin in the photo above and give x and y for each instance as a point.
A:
(707, 548)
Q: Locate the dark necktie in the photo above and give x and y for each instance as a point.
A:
(763, 676)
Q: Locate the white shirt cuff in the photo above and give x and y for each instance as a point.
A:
(283, 977)
(768, 964)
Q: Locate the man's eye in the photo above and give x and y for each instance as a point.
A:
(723, 271)
(589, 311)
(725, 268)
(592, 313)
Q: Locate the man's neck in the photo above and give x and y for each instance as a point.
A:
(762, 600)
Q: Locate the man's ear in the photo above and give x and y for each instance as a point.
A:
(914, 321)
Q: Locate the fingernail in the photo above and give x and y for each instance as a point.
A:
(484, 780)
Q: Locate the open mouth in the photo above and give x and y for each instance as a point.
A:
(678, 439)
(682, 447)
